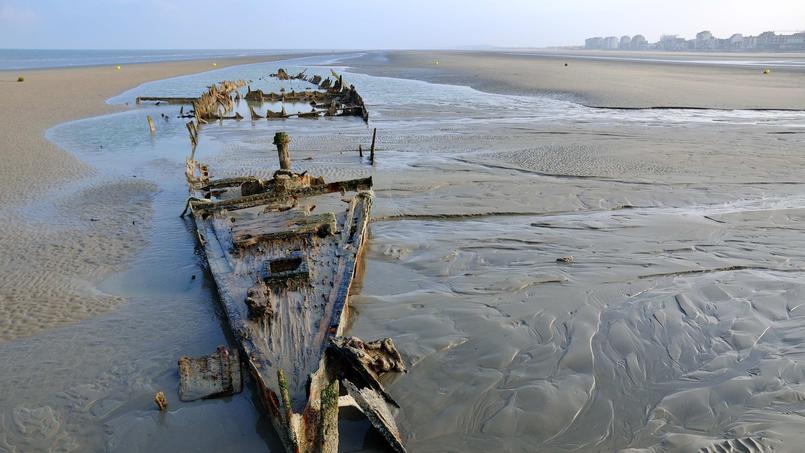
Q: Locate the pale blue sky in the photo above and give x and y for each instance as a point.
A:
(373, 24)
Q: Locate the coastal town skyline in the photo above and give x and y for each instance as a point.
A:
(704, 41)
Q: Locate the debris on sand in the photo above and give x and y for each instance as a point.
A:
(217, 374)
(162, 401)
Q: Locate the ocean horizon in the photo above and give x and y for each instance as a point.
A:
(17, 59)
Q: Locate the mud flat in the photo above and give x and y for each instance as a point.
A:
(597, 79)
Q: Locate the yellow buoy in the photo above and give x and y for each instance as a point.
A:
(117, 68)
(436, 62)
(215, 64)
(767, 71)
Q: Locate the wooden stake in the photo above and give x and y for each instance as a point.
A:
(151, 125)
(281, 139)
(286, 403)
(360, 150)
(328, 418)
(372, 150)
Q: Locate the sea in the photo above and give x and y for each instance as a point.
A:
(11, 59)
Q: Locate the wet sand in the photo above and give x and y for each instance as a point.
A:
(603, 83)
(64, 226)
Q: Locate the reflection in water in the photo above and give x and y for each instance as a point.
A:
(477, 196)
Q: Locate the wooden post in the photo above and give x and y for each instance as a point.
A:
(372, 150)
(328, 418)
(151, 125)
(360, 150)
(191, 129)
(281, 139)
(286, 403)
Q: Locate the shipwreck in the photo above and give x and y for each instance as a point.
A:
(283, 253)
(326, 97)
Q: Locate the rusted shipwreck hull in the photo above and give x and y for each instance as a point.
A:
(283, 253)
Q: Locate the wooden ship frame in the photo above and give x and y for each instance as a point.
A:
(283, 253)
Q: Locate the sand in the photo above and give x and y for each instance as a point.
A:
(623, 84)
(65, 226)
(676, 327)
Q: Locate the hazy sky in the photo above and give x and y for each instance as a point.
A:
(270, 24)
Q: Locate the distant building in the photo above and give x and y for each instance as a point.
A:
(768, 40)
(704, 41)
(639, 42)
(736, 41)
(594, 43)
(794, 42)
(611, 42)
(672, 42)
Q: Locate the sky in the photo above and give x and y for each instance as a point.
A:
(374, 24)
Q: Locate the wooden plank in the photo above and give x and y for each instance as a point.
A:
(166, 99)
(279, 226)
(250, 201)
(376, 410)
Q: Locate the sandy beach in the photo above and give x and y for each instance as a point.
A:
(570, 278)
(603, 83)
(64, 228)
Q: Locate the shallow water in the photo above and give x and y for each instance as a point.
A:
(477, 196)
(65, 58)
